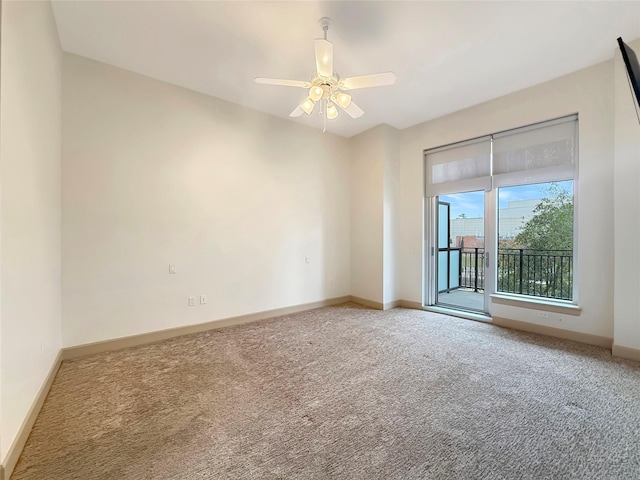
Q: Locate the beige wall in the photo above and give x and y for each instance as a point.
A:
(626, 203)
(367, 218)
(154, 174)
(392, 212)
(375, 214)
(588, 92)
(30, 129)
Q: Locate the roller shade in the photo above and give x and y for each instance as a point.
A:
(460, 167)
(540, 153)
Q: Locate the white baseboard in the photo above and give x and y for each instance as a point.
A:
(390, 305)
(554, 332)
(626, 352)
(367, 303)
(156, 336)
(10, 461)
(409, 304)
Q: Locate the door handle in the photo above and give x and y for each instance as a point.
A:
(486, 259)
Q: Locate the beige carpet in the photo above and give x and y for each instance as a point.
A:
(346, 393)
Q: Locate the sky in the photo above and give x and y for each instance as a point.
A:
(471, 204)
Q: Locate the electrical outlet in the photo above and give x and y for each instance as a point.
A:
(203, 299)
(306, 260)
(543, 314)
(192, 301)
(172, 268)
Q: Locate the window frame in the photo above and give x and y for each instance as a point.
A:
(544, 175)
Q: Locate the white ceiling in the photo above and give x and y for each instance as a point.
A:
(446, 55)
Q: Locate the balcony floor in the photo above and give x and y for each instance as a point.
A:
(463, 298)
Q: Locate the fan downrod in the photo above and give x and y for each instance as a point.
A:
(324, 23)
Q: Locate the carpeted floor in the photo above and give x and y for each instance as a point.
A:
(346, 393)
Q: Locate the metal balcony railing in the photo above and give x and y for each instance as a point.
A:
(472, 268)
(539, 273)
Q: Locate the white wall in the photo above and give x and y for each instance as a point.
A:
(626, 210)
(392, 212)
(588, 92)
(375, 214)
(155, 174)
(367, 216)
(30, 129)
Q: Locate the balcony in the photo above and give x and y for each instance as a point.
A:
(538, 273)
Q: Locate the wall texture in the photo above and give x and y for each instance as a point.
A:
(588, 92)
(252, 210)
(30, 130)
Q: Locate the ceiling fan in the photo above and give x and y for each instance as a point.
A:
(326, 87)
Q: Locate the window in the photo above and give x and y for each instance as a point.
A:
(527, 177)
(535, 240)
(534, 169)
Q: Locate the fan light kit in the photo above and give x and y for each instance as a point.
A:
(326, 87)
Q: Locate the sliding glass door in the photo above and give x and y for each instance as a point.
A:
(500, 218)
(458, 184)
(461, 251)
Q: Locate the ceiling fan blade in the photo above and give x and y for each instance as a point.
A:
(365, 81)
(286, 83)
(353, 110)
(324, 57)
(297, 112)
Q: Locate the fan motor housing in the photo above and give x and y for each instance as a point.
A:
(329, 85)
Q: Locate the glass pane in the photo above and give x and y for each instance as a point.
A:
(442, 271)
(461, 266)
(454, 269)
(467, 219)
(443, 226)
(535, 240)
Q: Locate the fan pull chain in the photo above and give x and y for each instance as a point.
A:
(324, 116)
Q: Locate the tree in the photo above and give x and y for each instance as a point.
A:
(551, 227)
(539, 261)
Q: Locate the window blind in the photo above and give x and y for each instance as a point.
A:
(535, 154)
(460, 167)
